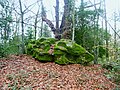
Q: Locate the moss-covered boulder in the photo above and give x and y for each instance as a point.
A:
(62, 52)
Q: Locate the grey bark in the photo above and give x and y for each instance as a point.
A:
(22, 26)
(107, 55)
(64, 28)
(115, 39)
(57, 15)
(36, 21)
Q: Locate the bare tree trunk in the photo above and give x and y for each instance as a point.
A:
(57, 16)
(41, 28)
(115, 40)
(5, 34)
(22, 26)
(82, 10)
(95, 42)
(5, 28)
(1, 33)
(107, 55)
(36, 21)
(73, 22)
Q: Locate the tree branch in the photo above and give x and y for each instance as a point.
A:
(51, 25)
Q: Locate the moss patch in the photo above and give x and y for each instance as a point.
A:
(62, 60)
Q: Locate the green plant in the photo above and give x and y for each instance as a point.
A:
(114, 71)
(2, 51)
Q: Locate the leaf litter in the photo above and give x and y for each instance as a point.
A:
(25, 73)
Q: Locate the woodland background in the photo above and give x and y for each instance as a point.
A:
(86, 24)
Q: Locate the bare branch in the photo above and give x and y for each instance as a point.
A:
(51, 25)
(92, 5)
(29, 7)
(105, 19)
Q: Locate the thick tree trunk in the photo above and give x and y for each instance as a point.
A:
(64, 29)
(57, 16)
(65, 26)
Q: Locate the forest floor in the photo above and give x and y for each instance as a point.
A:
(25, 73)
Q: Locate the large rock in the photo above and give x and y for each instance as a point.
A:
(63, 51)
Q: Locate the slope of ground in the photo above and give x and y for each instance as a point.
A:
(25, 73)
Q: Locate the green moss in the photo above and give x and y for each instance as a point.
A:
(65, 40)
(45, 45)
(61, 43)
(62, 60)
(46, 42)
(60, 48)
(41, 39)
(81, 60)
(59, 52)
(37, 42)
(76, 49)
(33, 54)
(85, 59)
(37, 50)
(51, 40)
(44, 58)
(30, 46)
(32, 41)
(89, 57)
(71, 58)
(41, 55)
